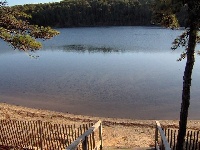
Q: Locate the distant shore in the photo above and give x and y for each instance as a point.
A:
(121, 133)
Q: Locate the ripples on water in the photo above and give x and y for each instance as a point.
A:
(127, 72)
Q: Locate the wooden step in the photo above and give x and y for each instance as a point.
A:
(133, 148)
(143, 148)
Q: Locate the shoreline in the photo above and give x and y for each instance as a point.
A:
(117, 132)
(90, 108)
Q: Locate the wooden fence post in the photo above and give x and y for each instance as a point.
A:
(100, 136)
(40, 133)
(84, 144)
(156, 136)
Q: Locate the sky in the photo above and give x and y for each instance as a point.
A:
(21, 2)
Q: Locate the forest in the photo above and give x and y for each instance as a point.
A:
(83, 13)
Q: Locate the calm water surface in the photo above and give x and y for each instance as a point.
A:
(127, 72)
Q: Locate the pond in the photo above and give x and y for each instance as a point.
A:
(123, 72)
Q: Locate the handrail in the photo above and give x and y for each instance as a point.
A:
(163, 137)
(85, 135)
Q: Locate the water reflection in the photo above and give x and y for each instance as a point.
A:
(123, 39)
(89, 49)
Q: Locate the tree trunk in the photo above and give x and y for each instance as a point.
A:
(186, 86)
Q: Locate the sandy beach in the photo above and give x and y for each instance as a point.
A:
(117, 132)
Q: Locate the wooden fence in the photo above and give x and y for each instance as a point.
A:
(38, 135)
(88, 140)
(192, 139)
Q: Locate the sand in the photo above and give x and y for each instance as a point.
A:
(120, 133)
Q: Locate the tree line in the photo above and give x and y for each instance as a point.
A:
(74, 13)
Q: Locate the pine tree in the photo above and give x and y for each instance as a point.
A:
(16, 30)
(165, 13)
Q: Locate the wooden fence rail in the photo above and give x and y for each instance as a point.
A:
(38, 135)
(87, 139)
(161, 144)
